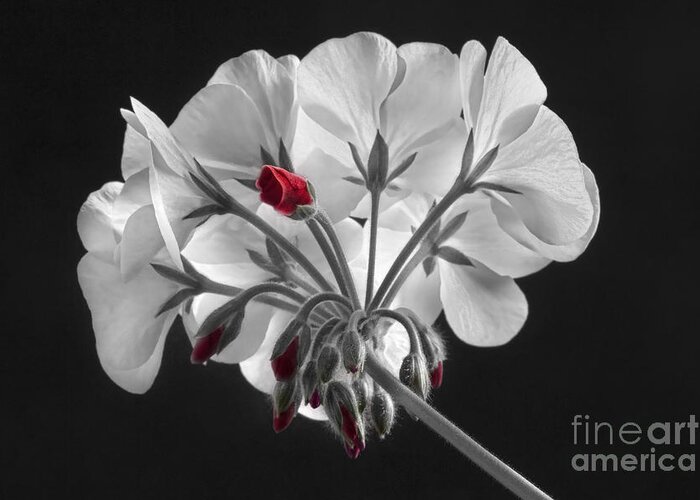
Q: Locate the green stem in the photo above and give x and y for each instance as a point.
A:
(433, 216)
(491, 464)
(327, 226)
(373, 223)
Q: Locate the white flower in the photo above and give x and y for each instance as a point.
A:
(357, 86)
(537, 156)
(469, 180)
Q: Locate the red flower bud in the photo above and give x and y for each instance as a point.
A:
(205, 347)
(315, 399)
(353, 438)
(282, 420)
(283, 190)
(285, 365)
(436, 376)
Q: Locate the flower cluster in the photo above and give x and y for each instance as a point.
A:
(309, 220)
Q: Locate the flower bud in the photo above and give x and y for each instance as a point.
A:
(285, 402)
(354, 351)
(414, 374)
(309, 380)
(284, 190)
(341, 407)
(327, 362)
(362, 389)
(436, 376)
(285, 353)
(285, 364)
(315, 399)
(382, 412)
(205, 347)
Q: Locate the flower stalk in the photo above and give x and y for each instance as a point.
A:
(492, 465)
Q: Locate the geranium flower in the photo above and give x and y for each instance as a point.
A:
(362, 85)
(237, 218)
(536, 176)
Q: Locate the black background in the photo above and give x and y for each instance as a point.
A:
(612, 335)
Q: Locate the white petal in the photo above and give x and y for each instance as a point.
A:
(437, 164)
(127, 330)
(543, 165)
(135, 194)
(136, 153)
(271, 85)
(394, 347)
(512, 224)
(221, 127)
(95, 219)
(140, 241)
(326, 174)
(138, 380)
(512, 94)
(472, 61)
(162, 139)
(173, 197)
(219, 250)
(426, 100)
(343, 82)
(409, 213)
(482, 238)
(482, 308)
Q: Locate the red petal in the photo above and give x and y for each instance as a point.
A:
(285, 365)
(282, 189)
(315, 399)
(205, 347)
(436, 376)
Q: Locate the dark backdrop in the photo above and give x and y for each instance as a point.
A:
(612, 335)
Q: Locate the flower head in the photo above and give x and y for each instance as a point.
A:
(468, 182)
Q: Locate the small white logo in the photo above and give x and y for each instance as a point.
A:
(669, 437)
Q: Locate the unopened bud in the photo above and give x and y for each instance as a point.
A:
(285, 353)
(354, 351)
(315, 399)
(341, 407)
(362, 389)
(327, 362)
(205, 347)
(285, 402)
(382, 412)
(436, 376)
(309, 380)
(285, 365)
(414, 374)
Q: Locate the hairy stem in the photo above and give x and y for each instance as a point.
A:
(373, 223)
(491, 464)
